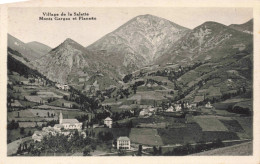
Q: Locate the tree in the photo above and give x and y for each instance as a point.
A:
(160, 150)
(22, 130)
(86, 151)
(130, 124)
(154, 150)
(29, 133)
(140, 149)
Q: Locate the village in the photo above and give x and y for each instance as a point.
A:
(153, 111)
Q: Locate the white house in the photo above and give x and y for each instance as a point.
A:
(178, 107)
(123, 143)
(208, 105)
(108, 122)
(170, 109)
(144, 112)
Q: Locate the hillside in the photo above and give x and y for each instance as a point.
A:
(138, 42)
(39, 47)
(70, 63)
(25, 50)
(245, 27)
(210, 40)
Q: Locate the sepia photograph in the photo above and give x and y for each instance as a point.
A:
(129, 81)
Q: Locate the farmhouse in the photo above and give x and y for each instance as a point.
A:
(178, 107)
(147, 111)
(208, 105)
(108, 122)
(62, 86)
(123, 143)
(170, 109)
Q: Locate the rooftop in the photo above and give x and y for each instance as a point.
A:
(123, 138)
(108, 119)
(70, 121)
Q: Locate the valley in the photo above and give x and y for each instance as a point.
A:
(170, 90)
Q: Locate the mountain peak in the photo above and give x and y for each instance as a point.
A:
(69, 40)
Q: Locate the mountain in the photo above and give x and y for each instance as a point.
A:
(138, 42)
(71, 63)
(245, 27)
(39, 47)
(25, 50)
(211, 40)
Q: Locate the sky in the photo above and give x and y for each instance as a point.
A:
(24, 23)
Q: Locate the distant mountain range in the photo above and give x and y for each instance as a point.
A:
(142, 41)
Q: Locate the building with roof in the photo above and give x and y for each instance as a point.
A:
(108, 122)
(69, 123)
(123, 143)
(208, 105)
(170, 109)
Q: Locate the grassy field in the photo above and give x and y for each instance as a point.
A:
(247, 124)
(210, 124)
(232, 125)
(145, 136)
(190, 134)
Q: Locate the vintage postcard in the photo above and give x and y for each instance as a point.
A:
(157, 81)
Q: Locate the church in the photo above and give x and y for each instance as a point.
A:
(68, 123)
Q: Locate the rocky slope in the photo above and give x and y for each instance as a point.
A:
(138, 42)
(210, 40)
(67, 59)
(70, 63)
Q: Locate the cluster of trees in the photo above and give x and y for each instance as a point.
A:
(99, 117)
(123, 115)
(127, 78)
(17, 66)
(239, 110)
(82, 118)
(157, 151)
(65, 144)
(105, 136)
(152, 81)
(50, 123)
(86, 103)
(189, 149)
(23, 147)
(121, 93)
(12, 125)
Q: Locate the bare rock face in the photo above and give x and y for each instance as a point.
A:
(139, 41)
(67, 59)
